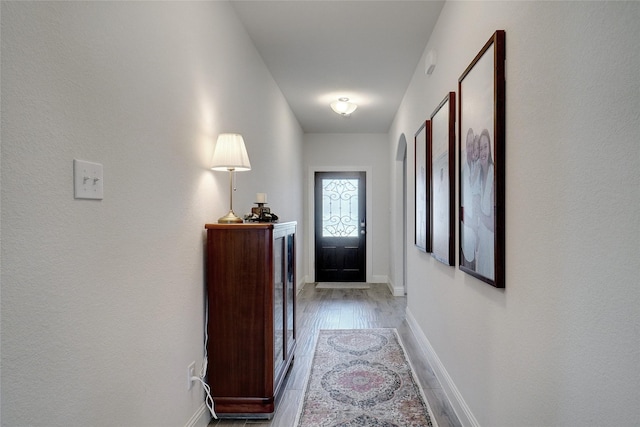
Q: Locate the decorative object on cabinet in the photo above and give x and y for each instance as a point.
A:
(421, 172)
(441, 145)
(481, 135)
(261, 213)
(251, 326)
(230, 155)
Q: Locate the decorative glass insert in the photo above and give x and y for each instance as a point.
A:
(340, 208)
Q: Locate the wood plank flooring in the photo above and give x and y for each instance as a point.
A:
(348, 309)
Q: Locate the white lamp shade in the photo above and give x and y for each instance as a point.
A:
(343, 107)
(230, 153)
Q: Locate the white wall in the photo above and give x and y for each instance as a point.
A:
(102, 301)
(366, 152)
(558, 346)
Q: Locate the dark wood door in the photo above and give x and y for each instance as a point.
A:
(340, 226)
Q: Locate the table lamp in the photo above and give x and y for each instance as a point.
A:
(230, 155)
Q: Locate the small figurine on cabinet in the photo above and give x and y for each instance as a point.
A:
(261, 213)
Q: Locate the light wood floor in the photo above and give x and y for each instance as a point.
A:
(348, 309)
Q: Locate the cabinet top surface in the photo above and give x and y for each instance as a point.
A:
(259, 225)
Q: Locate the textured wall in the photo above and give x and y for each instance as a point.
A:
(559, 346)
(102, 301)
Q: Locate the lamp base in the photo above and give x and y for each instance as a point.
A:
(230, 218)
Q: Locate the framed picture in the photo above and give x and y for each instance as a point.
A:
(422, 190)
(441, 146)
(481, 135)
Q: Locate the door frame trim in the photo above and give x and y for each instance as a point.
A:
(310, 229)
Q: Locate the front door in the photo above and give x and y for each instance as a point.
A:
(340, 226)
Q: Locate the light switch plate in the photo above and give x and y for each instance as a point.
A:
(87, 180)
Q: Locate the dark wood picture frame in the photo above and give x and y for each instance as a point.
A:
(421, 175)
(481, 123)
(441, 146)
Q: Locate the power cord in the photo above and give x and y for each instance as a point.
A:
(203, 371)
(209, 399)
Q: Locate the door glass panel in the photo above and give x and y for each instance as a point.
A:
(340, 214)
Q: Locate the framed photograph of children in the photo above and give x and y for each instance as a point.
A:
(421, 188)
(441, 145)
(481, 135)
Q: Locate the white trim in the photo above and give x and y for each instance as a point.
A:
(301, 284)
(379, 279)
(458, 404)
(197, 419)
(396, 291)
(311, 214)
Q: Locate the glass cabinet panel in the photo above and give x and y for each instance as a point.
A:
(290, 289)
(278, 302)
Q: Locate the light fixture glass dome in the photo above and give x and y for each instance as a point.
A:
(343, 107)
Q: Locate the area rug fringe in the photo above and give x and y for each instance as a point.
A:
(303, 402)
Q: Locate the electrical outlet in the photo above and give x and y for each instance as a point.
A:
(191, 372)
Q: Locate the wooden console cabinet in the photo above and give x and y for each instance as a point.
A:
(250, 278)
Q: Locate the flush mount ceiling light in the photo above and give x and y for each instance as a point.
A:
(343, 107)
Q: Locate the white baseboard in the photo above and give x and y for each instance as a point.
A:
(458, 404)
(200, 418)
(378, 279)
(301, 284)
(396, 291)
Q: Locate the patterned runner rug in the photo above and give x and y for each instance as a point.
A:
(361, 377)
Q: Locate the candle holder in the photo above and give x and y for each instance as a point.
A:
(261, 209)
(261, 213)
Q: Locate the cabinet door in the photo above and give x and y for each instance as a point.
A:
(279, 304)
(290, 294)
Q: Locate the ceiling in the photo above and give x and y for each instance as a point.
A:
(320, 50)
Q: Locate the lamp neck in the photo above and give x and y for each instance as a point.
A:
(231, 217)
